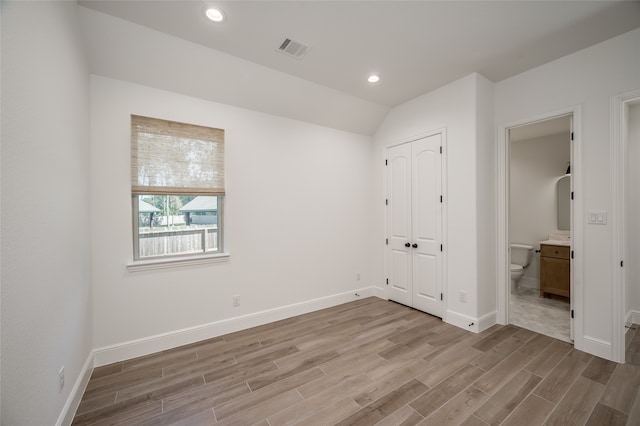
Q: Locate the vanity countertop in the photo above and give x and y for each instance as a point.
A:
(557, 243)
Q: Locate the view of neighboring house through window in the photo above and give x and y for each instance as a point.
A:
(177, 188)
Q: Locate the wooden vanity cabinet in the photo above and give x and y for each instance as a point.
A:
(555, 270)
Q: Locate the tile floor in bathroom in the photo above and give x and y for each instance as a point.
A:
(545, 316)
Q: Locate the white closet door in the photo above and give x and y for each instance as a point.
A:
(426, 188)
(399, 224)
(414, 224)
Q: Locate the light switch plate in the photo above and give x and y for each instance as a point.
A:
(597, 218)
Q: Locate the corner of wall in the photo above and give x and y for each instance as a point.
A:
(80, 385)
(486, 187)
(473, 324)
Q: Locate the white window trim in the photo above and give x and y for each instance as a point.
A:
(176, 262)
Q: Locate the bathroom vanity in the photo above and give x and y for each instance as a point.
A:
(555, 268)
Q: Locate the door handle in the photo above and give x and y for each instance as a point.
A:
(414, 245)
(407, 245)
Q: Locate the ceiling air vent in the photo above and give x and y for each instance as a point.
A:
(293, 48)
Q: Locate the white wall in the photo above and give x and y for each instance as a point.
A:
(632, 231)
(536, 165)
(486, 199)
(587, 79)
(46, 295)
(298, 216)
(453, 107)
(1, 9)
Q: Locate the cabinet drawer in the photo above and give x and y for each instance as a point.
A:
(559, 252)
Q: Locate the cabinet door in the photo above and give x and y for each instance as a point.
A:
(555, 276)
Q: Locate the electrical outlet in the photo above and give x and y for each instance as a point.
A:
(61, 379)
(463, 296)
(358, 276)
(236, 300)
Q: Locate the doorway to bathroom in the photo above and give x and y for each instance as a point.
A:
(539, 226)
(625, 124)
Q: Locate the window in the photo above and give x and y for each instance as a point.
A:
(177, 188)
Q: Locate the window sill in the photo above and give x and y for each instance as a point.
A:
(176, 262)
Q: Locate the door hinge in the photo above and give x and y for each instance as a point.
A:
(387, 241)
(572, 313)
(387, 281)
(622, 263)
(572, 254)
(441, 297)
(571, 135)
(440, 150)
(386, 201)
(441, 247)
(572, 195)
(441, 198)
(386, 162)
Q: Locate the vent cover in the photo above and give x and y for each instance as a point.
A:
(294, 48)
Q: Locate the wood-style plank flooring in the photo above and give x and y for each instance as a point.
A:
(364, 363)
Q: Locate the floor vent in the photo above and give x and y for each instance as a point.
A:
(294, 48)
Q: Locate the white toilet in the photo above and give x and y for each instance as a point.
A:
(521, 255)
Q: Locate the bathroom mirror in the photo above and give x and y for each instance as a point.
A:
(564, 203)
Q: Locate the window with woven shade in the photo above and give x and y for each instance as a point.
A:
(177, 188)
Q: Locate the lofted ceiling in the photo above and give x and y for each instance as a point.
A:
(415, 46)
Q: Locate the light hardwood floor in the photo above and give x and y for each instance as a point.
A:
(364, 363)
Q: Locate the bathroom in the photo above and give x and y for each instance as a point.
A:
(539, 226)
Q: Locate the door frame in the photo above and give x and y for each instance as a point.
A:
(577, 222)
(443, 258)
(619, 145)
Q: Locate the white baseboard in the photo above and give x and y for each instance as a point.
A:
(633, 317)
(148, 345)
(71, 406)
(487, 320)
(466, 322)
(529, 282)
(380, 293)
(597, 347)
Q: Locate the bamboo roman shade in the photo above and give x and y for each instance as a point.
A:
(168, 157)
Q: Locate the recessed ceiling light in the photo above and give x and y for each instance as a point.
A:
(214, 13)
(373, 78)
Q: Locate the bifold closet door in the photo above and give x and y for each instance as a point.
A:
(414, 224)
